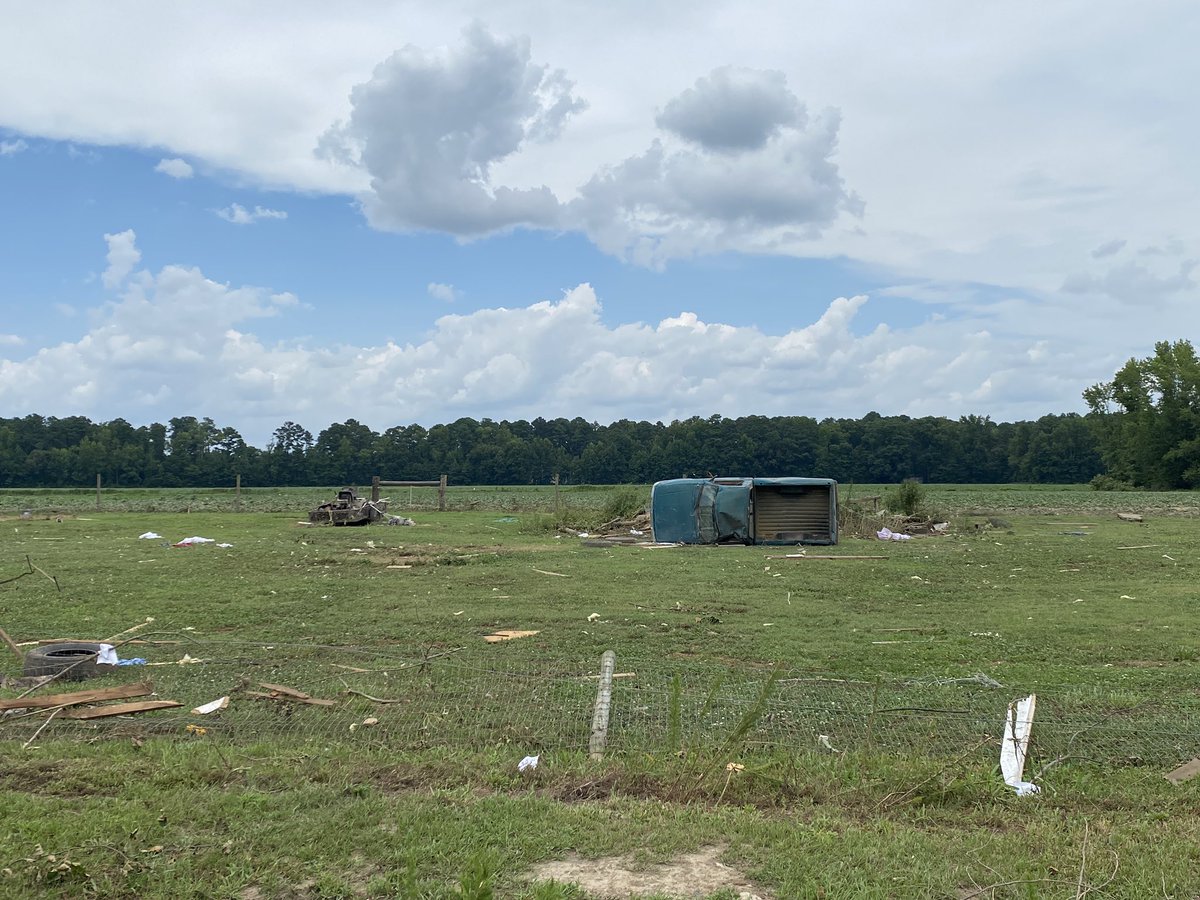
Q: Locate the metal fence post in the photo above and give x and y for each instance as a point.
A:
(608, 664)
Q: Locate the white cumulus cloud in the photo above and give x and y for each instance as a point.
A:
(12, 148)
(447, 293)
(176, 168)
(733, 109)
(123, 255)
(174, 341)
(428, 128)
(239, 215)
(754, 171)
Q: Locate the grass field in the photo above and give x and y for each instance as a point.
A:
(735, 658)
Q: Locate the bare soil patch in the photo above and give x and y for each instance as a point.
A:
(693, 875)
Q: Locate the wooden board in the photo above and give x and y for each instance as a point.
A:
(141, 689)
(121, 709)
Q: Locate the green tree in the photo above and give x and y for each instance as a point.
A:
(1147, 418)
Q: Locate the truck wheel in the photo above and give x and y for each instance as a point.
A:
(76, 661)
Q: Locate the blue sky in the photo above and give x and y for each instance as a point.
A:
(294, 213)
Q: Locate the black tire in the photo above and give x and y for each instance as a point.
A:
(76, 661)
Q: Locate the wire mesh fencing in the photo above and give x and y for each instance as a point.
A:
(477, 698)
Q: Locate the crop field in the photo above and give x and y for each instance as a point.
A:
(780, 726)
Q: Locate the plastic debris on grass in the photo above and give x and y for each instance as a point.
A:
(205, 709)
(149, 536)
(528, 764)
(1018, 726)
(193, 541)
(886, 534)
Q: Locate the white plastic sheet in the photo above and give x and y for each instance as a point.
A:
(529, 762)
(1018, 726)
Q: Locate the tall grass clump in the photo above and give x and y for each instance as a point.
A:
(907, 498)
(624, 503)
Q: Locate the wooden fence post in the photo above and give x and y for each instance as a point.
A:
(97, 490)
(442, 494)
(374, 488)
(237, 492)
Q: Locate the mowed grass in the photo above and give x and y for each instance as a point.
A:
(144, 812)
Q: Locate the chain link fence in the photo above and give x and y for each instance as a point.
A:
(483, 697)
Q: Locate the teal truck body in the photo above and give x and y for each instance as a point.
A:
(745, 510)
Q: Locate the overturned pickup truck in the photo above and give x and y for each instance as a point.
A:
(745, 511)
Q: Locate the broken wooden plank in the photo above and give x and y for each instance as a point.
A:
(11, 645)
(1139, 547)
(286, 691)
(141, 689)
(285, 698)
(1129, 517)
(121, 709)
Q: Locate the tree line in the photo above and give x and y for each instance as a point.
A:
(37, 451)
(1142, 430)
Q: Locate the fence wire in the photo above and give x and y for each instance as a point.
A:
(484, 697)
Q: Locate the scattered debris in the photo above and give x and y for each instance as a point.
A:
(400, 520)
(1186, 772)
(1139, 547)
(529, 763)
(149, 536)
(507, 635)
(832, 555)
(21, 683)
(886, 534)
(593, 617)
(121, 709)
(30, 568)
(187, 660)
(824, 741)
(556, 574)
(1129, 517)
(205, 709)
(193, 541)
(1018, 726)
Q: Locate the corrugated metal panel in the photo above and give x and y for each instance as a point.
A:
(786, 515)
